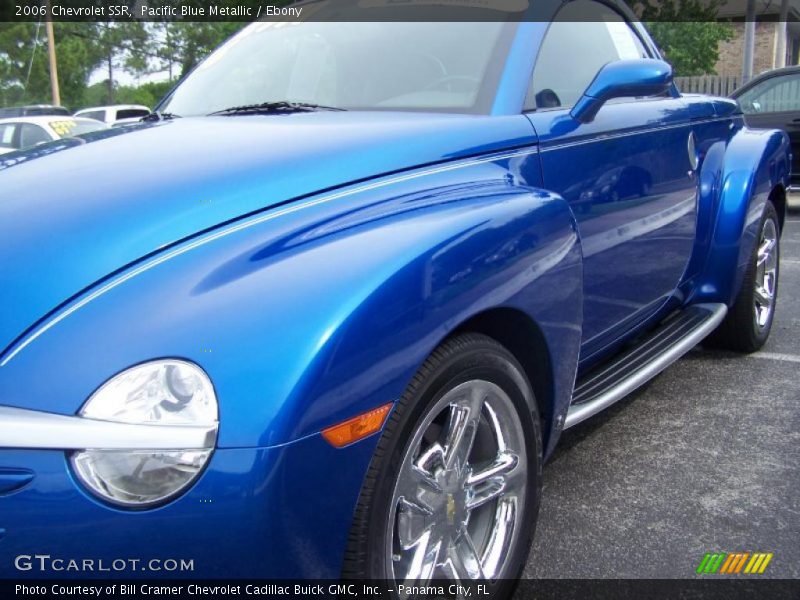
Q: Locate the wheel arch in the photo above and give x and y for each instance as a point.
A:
(778, 197)
(523, 338)
(320, 315)
(737, 179)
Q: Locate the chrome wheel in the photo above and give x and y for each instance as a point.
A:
(459, 497)
(766, 274)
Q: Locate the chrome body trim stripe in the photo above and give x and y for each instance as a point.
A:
(133, 270)
(558, 144)
(32, 429)
(581, 412)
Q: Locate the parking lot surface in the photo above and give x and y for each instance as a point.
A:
(704, 459)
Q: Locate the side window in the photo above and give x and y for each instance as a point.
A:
(777, 94)
(131, 113)
(97, 115)
(32, 135)
(584, 37)
(7, 135)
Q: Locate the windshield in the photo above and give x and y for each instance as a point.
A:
(70, 128)
(368, 66)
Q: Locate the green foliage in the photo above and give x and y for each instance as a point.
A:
(82, 48)
(686, 32)
(148, 93)
(24, 69)
(186, 44)
(691, 47)
(121, 45)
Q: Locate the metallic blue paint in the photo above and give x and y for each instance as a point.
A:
(626, 178)
(623, 79)
(311, 262)
(230, 524)
(754, 163)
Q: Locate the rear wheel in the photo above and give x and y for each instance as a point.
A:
(749, 321)
(453, 490)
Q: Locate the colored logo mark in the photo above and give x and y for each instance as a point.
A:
(734, 563)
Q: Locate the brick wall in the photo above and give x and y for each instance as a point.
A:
(731, 53)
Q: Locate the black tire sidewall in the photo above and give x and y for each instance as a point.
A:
(758, 335)
(739, 332)
(480, 358)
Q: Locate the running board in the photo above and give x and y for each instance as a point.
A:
(601, 387)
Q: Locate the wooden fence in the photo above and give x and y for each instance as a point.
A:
(715, 85)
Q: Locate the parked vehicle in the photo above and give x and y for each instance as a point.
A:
(772, 101)
(22, 133)
(117, 114)
(311, 321)
(32, 110)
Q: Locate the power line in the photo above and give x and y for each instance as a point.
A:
(33, 53)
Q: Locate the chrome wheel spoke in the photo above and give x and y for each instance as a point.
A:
(464, 560)
(501, 466)
(461, 429)
(766, 274)
(501, 536)
(432, 532)
(765, 250)
(424, 560)
(413, 522)
(430, 461)
(763, 296)
(492, 481)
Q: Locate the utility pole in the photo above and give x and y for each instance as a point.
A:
(780, 46)
(51, 51)
(749, 41)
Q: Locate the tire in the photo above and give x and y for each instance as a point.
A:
(445, 392)
(747, 325)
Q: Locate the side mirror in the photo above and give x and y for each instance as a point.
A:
(620, 79)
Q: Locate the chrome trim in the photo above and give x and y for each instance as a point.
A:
(22, 428)
(544, 147)
(271, 213)
(458, 500)
(581, 412)
(766, 280)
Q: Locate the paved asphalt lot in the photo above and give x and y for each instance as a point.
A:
(704, 459)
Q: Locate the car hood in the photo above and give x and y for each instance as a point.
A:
(75, 211)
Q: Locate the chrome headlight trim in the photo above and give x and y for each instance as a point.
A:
(33, 429)
(140, 440)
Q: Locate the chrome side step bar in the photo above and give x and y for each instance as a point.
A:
(604, 386)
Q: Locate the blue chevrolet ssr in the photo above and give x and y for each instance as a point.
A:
(327, 312)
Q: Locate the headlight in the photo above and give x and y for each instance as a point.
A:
(163, 392)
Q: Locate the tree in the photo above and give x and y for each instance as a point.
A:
(686, 31)
(121, 45)
(195, 41)
(148, 93)
(24, 73)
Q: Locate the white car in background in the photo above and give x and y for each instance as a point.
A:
(117, 114)
(20, 133)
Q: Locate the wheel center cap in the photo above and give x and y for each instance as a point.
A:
(451, 509)
(454, 501)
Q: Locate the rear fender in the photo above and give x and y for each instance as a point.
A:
(736, 181)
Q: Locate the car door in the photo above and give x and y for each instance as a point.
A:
(9, 137)
(774, 103)
(32, 135)
(626, 175)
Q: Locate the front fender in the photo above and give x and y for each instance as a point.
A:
(315, 312)
(736, 182)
